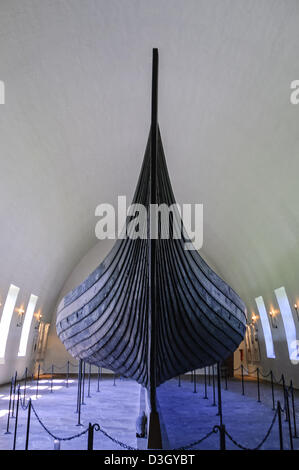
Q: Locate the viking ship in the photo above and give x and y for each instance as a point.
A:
(152, 310)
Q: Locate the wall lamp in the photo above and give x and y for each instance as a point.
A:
(272, 314)
(254, 319)
(21, 312)
(296, 308)
(38, 316)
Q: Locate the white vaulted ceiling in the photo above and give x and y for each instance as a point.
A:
(74, 127)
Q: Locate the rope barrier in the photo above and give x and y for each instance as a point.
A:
(261, 443)
(116, 441)
(214, 431)
(287, 389)
(53, 435)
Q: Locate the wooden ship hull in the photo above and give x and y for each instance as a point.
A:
(152, 310)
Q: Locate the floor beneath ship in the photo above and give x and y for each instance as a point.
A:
(185, 415)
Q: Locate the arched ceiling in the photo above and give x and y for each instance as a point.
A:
(75, 123)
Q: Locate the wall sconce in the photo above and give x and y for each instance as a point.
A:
(38, 317)
(21, 312)
(296, 308)
(272, 314)
(254, 319)
(253, 322)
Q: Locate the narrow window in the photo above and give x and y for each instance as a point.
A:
(265, 327)
(288, 322)
(27, 324)
(7, 314)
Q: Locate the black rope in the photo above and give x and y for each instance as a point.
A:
(116, 441)
(261, 443)
(53, 435)
(214, 431)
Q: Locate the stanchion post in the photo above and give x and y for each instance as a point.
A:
(214, 395)
(258, 385)
(25, 384)
(272, 390)
(194, 382)
(83, 383)
(79, 392)
(242, 374)
(98, 387)
(205, 379)
(209, 375)
(16, 421)
(114, 379)
(226, 387)
(14, 394)
(280, 426)
(90, 437)
(284, 396)
(179, 384)
(78, 378)
(219, 393)
(67, 374)
(9, 407)
(222, 437)
(293, 409)
(289, 418)
(52, 373)
(89, 374)
(28, 424)
(38, 371)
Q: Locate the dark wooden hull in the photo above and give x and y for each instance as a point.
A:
(106, 320)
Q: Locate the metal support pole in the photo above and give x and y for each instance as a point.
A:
(79, 392)
(28, 424)
(280, 426)
(214, 397)
(83, 384)
(194, 382)
(226, 387)
(284, 397)
(293, 409)
(52, 373)
(78, 386)
(242, 373)
(272, 390)
(25, 383)
(14, 394)
(67, 374)
(219, 393)
(205, 378)
(289, 419)
(90, 437)
(114, 379)
(89, 374)
(38, 371)
(258, 385)
(98, 387)
(179, 384)
(16, 421)
(9, 407)
(222, 437)
(209, 375)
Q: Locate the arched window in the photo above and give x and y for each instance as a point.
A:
(27, 324)
(265, 327)
(288, 322)
(7, 314)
